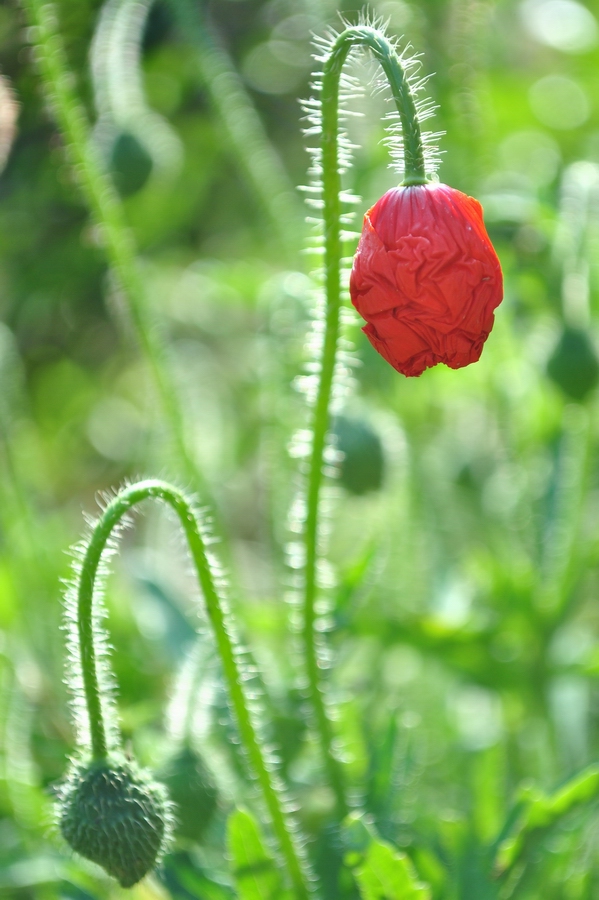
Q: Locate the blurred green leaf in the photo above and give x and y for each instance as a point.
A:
(387, 874)
(186, 880)
(254, 870)
(540, 812)
(381, 871)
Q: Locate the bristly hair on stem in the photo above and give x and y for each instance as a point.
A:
(327, 376)
(94, 706)
(425, 107)
(74, 670)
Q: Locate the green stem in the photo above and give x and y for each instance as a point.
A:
(331, 187)
(246, 139)
(221, 622)
(108, 214)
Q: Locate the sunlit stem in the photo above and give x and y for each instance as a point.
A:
(221, 622)
(414, 174)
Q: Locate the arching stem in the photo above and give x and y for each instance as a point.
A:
(224, 635)
(331, 182)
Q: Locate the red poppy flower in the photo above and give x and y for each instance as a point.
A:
(426, 278)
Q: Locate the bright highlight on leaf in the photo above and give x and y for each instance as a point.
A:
(256, 874)
(381, 872)
(386, 873)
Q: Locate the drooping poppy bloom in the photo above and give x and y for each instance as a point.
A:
(426, 278)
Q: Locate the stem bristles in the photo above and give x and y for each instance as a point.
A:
(89, 650)
(327, 383)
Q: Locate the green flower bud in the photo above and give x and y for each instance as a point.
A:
(193, 792)
(362, 467)
(113, 813)
(573, 365)
(130, 163)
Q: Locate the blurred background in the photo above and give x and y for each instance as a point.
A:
(465, 528)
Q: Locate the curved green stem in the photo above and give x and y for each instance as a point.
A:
(331, 185)
(224, 635)
(246, 138)
(108, 214)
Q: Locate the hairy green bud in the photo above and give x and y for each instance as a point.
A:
(192, 789)
(113, 813)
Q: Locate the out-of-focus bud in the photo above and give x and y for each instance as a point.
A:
(113, 813)
(573, 365)
(193, 791)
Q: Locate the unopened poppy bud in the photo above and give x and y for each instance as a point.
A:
(426, 278)
(573, 365)
(362, 466)
(130, 163)
(192, 789)
(115, 814)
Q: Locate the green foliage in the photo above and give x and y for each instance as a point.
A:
(184, 877)
(254, 870)
(381, 872)
(386, 874)
(538, 812)
(461, 575)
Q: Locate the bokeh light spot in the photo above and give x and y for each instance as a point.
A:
(563, 24)
(532, 153)
(559, 102)
(276, 67)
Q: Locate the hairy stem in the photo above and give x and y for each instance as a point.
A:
(246, 139)
(331, 184)
(108, 214)
(223, 629)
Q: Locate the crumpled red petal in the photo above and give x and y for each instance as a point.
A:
(426, 278)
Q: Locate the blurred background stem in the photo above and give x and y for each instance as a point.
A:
(246, 138)
(109, 218)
